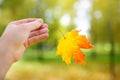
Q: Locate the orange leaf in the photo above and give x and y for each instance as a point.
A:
(69, 47)
(79, 57)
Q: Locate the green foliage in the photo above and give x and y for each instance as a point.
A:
(105, 15)
(1, 29)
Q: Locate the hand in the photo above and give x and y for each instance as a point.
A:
(16, 38)
(21, 34)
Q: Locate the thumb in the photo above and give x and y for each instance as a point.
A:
(33, 25)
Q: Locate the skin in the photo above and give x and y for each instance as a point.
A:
(16, 38)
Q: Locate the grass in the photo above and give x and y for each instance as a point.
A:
(35, 70)
(51, 67)
(32, 54)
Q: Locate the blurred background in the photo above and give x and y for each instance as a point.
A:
(99, 20)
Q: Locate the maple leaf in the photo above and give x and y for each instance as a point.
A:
(69, 47)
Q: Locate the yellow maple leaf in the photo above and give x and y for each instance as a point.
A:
(69, 47)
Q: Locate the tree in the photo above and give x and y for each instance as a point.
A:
(105, 26)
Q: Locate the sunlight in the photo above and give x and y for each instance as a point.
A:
(98, 14)
(65, 20)
(1, 2)
(82, 19)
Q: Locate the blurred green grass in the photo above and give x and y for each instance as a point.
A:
(51, 67)
(54, 70)
(50, 55)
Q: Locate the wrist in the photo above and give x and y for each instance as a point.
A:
(5, 58)
(5, 50)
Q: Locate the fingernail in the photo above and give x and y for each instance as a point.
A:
(40, 20)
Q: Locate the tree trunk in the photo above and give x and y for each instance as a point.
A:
(111, 39)
(112, 60)
(112, 52)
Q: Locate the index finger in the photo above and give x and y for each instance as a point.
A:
(26, 20)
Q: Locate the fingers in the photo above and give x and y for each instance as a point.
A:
(42, 26)
(27, 20)
(35, 27)
(32, 25)
(36, 39)
(29, 24)
(24, 20)
(41, 30)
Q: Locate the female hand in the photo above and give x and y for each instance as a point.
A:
(16, 38)
(21, 34)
